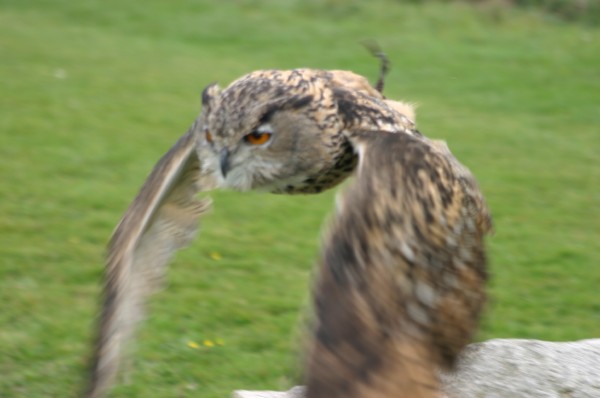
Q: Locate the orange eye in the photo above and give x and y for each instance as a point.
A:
(209, 137)
(257, 138)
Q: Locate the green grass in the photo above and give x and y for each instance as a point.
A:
(94, 92)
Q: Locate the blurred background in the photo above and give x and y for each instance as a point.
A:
(94, 92)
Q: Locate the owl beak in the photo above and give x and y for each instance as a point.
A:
(224, 160)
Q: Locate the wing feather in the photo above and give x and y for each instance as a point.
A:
(162, 218)
(400, 284)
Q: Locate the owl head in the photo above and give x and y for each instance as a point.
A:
(280, 131)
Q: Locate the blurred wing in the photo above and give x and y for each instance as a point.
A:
(401, 279)
(162, 218)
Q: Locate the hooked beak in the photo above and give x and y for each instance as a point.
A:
(224, 161)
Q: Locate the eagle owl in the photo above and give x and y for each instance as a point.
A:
(400, 281)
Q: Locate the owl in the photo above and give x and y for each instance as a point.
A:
(400, 282)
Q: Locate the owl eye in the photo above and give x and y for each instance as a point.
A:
(209, 137)
(257, 138)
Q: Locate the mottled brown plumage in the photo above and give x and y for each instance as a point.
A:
(400, 283)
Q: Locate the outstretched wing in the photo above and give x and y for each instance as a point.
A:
(400, 284)
(162, 218)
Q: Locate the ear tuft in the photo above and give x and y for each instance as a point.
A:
(384, 68)
(209, 93)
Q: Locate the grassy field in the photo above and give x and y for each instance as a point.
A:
(94, 92)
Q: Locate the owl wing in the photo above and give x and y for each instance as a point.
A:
(400, 283)
(162, 218)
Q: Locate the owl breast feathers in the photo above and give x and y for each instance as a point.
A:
(400, 281)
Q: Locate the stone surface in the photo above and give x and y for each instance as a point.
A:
(296, 392)
(527, 368)
(508, 368)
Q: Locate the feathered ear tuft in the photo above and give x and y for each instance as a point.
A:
(384, 68)
(209, 93)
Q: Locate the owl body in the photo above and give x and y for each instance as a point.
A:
(400, 284)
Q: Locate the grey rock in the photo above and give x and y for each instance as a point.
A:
(511, 368)
(526, 368)
(295, 392)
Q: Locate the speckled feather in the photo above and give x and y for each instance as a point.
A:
(401, 280)
(400, 285)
